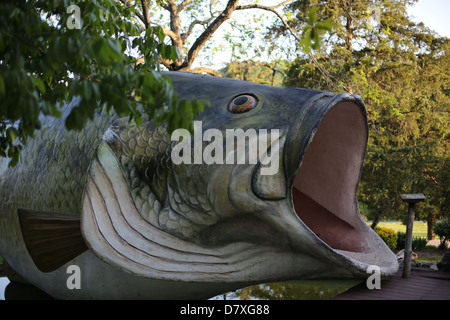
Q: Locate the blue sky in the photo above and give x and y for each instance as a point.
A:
(434, 13)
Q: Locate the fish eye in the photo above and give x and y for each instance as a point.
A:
(242, 103)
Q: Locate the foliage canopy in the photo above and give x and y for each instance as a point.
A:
(51, 52)
(402, 71)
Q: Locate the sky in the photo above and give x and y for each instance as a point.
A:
(434, 14)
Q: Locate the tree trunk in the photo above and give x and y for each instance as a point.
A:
(430, 222)
(349, 27)
(145, 13)
(175, 27)
(206, 35)
(376, 220)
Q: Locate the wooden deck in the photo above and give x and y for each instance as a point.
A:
(421, 285)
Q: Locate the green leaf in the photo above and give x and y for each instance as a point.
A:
(96, 90)
(168, 52)
(2, 86)
(87, 92)
(11, 133)
(175, 55)
(14, 160)
(97, 46)
(115, 46)
(197, 106)
(75, 120)
(86, 48)
(39, 84)
(312, 17)
(138, 120)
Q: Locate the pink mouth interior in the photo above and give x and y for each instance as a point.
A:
(325, 186)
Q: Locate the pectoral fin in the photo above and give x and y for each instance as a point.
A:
(52, 239)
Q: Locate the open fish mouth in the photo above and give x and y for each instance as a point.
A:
(324, 179)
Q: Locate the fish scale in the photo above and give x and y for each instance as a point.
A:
(49, 176)
(149, 169)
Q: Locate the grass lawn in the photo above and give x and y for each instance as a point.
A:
(419, 229)
(429, 253)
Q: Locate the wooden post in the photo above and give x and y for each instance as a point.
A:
(408, 241)
(411, 199)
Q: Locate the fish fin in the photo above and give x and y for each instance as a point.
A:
(52, 239)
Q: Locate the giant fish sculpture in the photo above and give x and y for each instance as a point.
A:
(142, 214)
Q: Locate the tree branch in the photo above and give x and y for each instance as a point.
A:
(272, 9)
(145, 12)
(170, 6)
(274, 70)
(183, 5)
(258, 6)
(170, 34)
(167, 63)
(184, 36)
(174, 33)
(127, 4)
(206, 35)
(205, 70)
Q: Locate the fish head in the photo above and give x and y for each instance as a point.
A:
(263, 189)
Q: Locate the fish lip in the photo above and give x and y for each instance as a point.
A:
(354, 257)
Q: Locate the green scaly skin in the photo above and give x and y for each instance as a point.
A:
(50, 176)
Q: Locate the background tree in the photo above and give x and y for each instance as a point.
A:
(255, 71)
(190, 24)
(401, 69)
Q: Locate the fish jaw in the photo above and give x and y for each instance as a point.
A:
(323, 157)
